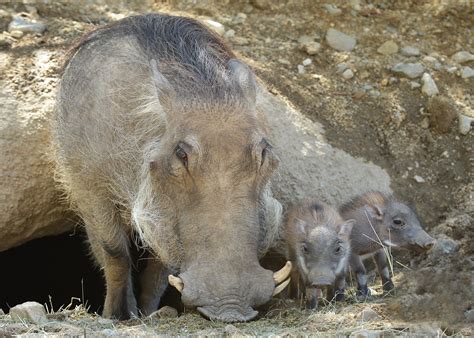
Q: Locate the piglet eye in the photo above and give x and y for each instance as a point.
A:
(338, 248)
(182, 156)
(398, 222)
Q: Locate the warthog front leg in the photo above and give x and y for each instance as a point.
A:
(358, 268)
(153, 281)
(382, 266)
(336, 291)
(109, 244)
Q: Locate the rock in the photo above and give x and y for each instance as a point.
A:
(30, 204)
(411, 70)
(261, 4)
(332, 9)
(306, 156)
(340, 41)
(165, 312)
(465, 123)
(311, 48)
(355, 5)
(451, 70)
(340, 68)
(307, 62)
(105, 321)
(303, 39)
(462, 56)
(419, 179)
(214, 25)
(284, 61)
(348, 74)
(2, 313)
(30, 311)
(368, 334)
(229, 34)
(467, 72)
(368, 315)
(414, 85)
(301, 69)
(425, 123)
(25, 25)
(388, 47)
(441, 113)
(410, 51)
(17, 34)
(429, 86)
(469, 315)
(444, 245)
(231, 329)
(430, 59)
(240, 18)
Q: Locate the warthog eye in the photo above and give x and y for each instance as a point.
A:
(338, 249)
(182, 156)
(304, 247)
(267, 147)
(398, 222)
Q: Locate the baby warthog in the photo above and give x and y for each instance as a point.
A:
(158, 139)
(318, 245)
(381, 221)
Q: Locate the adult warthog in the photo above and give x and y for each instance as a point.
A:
(158, 138)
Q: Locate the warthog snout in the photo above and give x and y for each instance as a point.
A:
(230, 296)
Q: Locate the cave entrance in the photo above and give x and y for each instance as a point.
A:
(54, 271)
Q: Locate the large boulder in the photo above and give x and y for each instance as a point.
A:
(309, 165)
(31, 205)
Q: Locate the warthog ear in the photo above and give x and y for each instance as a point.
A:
(300, 226)
(346, 229)
(243, 76)
(164, 90)
(374, 211)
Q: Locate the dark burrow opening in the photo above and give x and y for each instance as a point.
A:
(56, 271)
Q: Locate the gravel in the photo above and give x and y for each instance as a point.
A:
(410, 51)
(462, 56)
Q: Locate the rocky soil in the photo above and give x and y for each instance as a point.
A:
(391, 82)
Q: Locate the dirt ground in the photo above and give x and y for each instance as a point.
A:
(377, 115)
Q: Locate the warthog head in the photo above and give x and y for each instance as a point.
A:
(209, 177)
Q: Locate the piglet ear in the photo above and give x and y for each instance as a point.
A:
(163, 89)
(243, 76)
(346, 229)
(300, 226)
(374, 211)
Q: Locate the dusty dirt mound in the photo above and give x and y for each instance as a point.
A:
(366, 108)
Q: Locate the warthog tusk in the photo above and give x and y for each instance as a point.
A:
(283, 273)
(176, 282)
(281, 287)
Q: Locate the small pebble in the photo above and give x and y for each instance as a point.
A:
(17, 34)
(462, 56)
(388, 47)
(465, 123)
(29, 311)
(429, 59)
(429, 86)
(425, 123)
(340, 41)
(332, 9)
(301, 69)
(240, 18)
(229, 34)
(414, 85)
(348, 74)
(311, 48)
(411, 70)
(25, 25)
(410, 51)
(467, 72)
(307, 62)
(216, 26)
(284, 61)
(165, 312)
(368, 315)
(419, 179)
(340, 68)
(451, 70)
